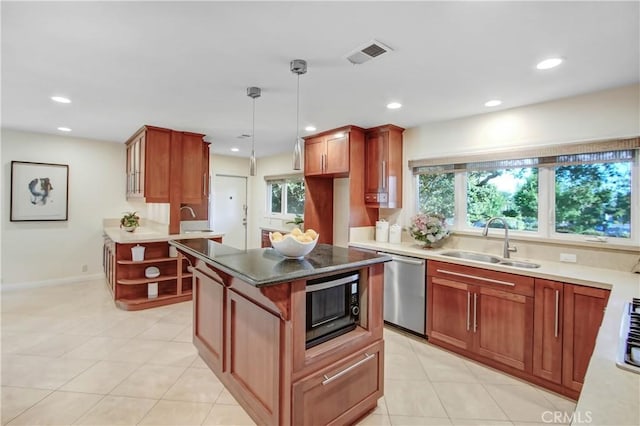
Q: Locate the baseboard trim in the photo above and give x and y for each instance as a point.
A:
(47, 283)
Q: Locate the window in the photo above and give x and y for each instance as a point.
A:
(285, 196)
(573, 195)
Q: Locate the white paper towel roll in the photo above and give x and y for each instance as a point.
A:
(382, 231)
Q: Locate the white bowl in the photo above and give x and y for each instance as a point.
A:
(151, 272)
(291, 248)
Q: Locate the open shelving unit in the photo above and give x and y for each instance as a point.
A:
(130, 285)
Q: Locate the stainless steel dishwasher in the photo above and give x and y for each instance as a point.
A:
(404, 293)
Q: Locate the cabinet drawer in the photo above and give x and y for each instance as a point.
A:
(342, 392)
(504, 281)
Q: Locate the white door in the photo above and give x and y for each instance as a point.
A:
(229, 208)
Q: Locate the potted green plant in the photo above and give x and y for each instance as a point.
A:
(130, 221)
(297, 220)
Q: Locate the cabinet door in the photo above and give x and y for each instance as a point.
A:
(208, 324)
(155, 166)
(503, 327)
(449, 312)
(342, 392)
(253, 355)
(314, 153)
(547, 335)
(194, 174)
(337, 157)
(377, 161)
(583, 313)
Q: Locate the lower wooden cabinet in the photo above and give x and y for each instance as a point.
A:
(540, 330)
(208, 325)
(583, 313)
(483, 312)
(325, 398)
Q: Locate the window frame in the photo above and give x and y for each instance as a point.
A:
(546, 205)
(284, 181)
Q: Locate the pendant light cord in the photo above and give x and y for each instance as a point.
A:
(253, 128)
(298, 111)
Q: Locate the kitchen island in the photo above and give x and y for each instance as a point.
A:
(250, 327)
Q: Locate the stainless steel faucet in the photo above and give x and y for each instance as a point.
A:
(506, 249)
(193, 214)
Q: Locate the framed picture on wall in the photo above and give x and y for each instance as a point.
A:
(39, 191)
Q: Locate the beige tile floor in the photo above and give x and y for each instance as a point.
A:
(69, 356)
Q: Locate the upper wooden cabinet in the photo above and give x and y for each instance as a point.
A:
(383, 171)
(148, 165)
(195, 168)
(327, 154)
(153, 166)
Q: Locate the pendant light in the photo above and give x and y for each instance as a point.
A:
(298, 66)
(253, 93)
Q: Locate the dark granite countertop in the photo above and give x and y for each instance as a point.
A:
(265, 266)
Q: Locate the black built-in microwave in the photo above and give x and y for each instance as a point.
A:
(333, 307)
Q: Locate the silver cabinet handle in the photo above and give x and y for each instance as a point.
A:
(384, 175)
(468, 310)
(204, 184)
(322, 163)
(489, 280)
(475, 312)
(557, 312)
(408, 261)
(328, 380)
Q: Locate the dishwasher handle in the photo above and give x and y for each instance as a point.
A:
(401, 259)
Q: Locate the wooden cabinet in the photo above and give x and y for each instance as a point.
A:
(547, 338)
(540, 330)
(327, 154)
(195, 169)
(253, 338)
(383, 171)
(583, 313)
(264, 238)
(209, 308)
(484, 312)
(130, 288)
(327, 397)
(148, 165)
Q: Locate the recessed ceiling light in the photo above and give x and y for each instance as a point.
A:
(549, 63)
(61, 99)
(235, 149)
(394, 105)
(492, 103)
(310, 129)
(64, 129)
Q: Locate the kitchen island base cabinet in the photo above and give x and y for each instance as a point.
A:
(253, 339)
(343, 392)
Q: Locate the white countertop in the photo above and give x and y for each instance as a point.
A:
(147, 235)
(610, 395)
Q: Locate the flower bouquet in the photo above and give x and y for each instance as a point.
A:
(130, 221)
(428, 228)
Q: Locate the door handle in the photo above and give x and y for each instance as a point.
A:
(557, 320)
(328, 380)
(475, 312)
(468, 310)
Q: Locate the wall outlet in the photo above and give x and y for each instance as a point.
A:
(568, 257)
(85, 268)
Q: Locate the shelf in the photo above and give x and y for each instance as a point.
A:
(147, 261)
(135, 304)
(135, 281)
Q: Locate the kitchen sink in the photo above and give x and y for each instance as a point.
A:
(519, 264)
(487, 258)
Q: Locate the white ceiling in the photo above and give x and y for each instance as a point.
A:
(186, 65)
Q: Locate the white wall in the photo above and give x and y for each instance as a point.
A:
(46, 251)
(601, 115)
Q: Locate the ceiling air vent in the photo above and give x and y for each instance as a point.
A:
(371, 50)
